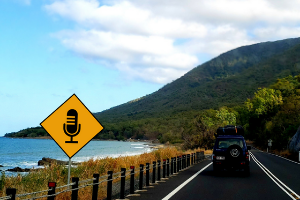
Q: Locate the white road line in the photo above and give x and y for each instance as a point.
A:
(274, 177)
(277, 156)
(186, 182)
(284, 158)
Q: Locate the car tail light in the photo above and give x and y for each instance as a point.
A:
(247, 155)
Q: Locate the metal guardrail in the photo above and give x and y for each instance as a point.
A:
(168, 168)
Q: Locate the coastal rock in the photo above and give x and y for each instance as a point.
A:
(294, 145)
(49, 161)
(1, 165)
(18, 169)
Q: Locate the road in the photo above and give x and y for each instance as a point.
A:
(271, 177)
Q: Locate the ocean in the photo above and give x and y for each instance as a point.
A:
(26, 153)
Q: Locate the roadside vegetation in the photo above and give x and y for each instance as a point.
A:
(38, 180)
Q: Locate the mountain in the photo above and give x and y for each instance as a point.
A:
(226, 80)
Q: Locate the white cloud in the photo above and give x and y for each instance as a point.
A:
(159, 41)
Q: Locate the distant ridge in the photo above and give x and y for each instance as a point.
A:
(226, 80)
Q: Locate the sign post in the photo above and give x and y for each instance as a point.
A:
(69, 172)
(72, 126)
(270, 143)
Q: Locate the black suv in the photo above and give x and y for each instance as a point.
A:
(230, 150)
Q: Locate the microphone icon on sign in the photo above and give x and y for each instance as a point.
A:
(73, 128)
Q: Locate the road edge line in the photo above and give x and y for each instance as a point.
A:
(277, 156)
(184, 183)
(270, 176)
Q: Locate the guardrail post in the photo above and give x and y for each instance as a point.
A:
(158, 170)
(172, 165)
(154, 169)
(131, 180)
(51, 186)
(202, 155)
(95, 186)
(177, 164)
(185, 161)
(175, 167)
(147, 174)
(75, 192)
(164, 168)
(180, 163)
(194, 156)
(122, 190)
(11, 192)
(168, 167)
(109, 185)
(188, 160)
(141, 176)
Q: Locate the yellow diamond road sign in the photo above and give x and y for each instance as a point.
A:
(72, 126)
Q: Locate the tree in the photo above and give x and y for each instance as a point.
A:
(225, 117)
(265, 101)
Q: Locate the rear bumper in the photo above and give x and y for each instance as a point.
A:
(242, 164)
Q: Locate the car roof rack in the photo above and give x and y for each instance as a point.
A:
(230, 130)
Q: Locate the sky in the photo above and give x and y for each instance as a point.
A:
(112, 52)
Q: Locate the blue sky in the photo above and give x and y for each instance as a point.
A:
(111, 52)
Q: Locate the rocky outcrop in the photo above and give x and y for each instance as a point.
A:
(49, 161)
(18, 169)
(1, 165)
(294, 145)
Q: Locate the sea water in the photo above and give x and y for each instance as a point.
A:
(26, 153)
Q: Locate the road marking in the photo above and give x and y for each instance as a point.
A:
(284, 158)
(186, 182)
(277, 156)
(277, 181)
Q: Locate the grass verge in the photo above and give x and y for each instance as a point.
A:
(38, 180)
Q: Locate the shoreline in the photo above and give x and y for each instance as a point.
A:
(49, 137)
(21, 168)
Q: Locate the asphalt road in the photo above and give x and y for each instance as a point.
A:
(271, 177)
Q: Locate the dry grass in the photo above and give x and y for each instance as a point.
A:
(38, 181)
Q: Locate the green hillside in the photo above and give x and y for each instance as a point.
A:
(226, 80)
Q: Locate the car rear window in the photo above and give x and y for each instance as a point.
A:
(224, 143)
